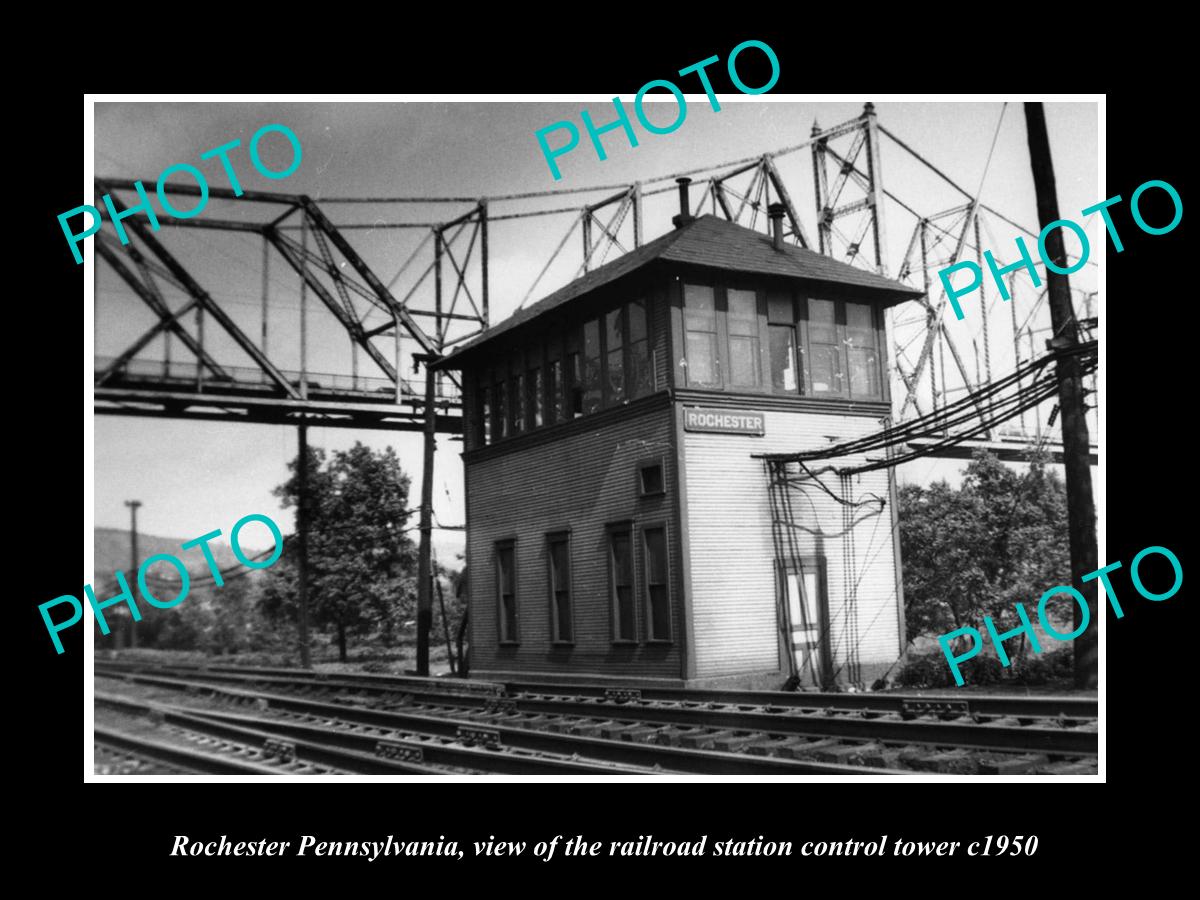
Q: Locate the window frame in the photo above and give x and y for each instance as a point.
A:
(648, 608)
(760, 312)
(647, 463)
(552, 537)
(504, 639)
(719, 332)
(611, 530)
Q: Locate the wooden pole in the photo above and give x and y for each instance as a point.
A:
(1081, 509)
(302, 544)
(425, 550)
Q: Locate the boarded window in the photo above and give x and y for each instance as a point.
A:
(506, 590)
(658, 593)
(559, 551)
(745, 357)
(700, 325)
(621, 581)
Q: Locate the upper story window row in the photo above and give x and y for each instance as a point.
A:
(605, 361)
(747, 339)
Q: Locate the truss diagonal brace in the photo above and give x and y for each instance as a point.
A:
(318, 218)
(167, 319)
(201, 296)
(352, 326)
(786, 199)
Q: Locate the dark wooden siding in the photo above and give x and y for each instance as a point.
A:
(580, 476)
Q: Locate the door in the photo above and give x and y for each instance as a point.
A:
(805, 614)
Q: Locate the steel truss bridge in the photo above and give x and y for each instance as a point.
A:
(165, 298)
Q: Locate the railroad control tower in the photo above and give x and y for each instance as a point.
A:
(622, 524)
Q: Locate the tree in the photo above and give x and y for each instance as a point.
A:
(998, 540)
(361, 562)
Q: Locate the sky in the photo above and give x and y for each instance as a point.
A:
(193, 477)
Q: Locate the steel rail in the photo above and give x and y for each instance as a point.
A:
(499, 734)
(191, 761)
(1049, 707)
(862, 724)
(355, 752)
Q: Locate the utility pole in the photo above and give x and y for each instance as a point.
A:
(302, 543)
(425, 550)
(1081, 508)
(133, 562)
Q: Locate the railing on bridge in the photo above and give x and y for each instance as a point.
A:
(177, 375)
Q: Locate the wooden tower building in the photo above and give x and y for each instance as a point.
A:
(621, 524)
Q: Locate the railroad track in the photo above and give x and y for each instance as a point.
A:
(896, 732)
(315, 727)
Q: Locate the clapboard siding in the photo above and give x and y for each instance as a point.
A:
(582, 480)
(732, 552)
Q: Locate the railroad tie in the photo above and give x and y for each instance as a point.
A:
(1012, 765)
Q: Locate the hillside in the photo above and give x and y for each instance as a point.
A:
(112, 551)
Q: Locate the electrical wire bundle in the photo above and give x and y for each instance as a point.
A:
(979, 411)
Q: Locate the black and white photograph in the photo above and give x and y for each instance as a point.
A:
(680, 436)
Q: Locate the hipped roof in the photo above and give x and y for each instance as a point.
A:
(707, 241)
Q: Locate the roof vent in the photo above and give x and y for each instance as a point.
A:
(775, 213)
(685, 215)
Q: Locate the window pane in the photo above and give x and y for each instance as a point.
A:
(656, 555)
(864, 372)
(701, 357)
(780, 309)
(537, 394)
(660, 613)
(745, 367)
(500, 416)
(518, 403)
(560, 564)
(591, 366)
(699, 297)
(783, 357)
(560, 587)
(821, 322)
(625, 624)
(743, 312)
(823, 362)
(637, 321)
(860, 327)
(652, 479)
(506, 583)
(613, 330)
(622, 574)
(563, 606)
(554, 388)
(656, 583)
(575, 371)
(615, 337)
(486, 415)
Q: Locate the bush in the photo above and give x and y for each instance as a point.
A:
(931, 670)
